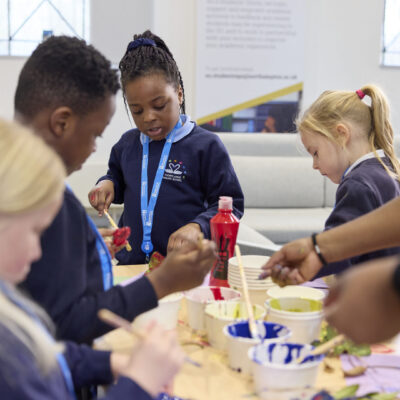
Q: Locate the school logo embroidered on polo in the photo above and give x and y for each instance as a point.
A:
(175, 171)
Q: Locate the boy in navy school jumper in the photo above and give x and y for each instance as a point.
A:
(352, 144)
(32, 364)
(66, 92)
(198, 169)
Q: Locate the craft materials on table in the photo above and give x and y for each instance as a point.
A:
(114, 225)
(257, 331)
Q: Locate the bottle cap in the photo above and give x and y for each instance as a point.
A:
(225, 203)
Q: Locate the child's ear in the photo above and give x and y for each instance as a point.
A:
(180, 95)
(61, 121)
(343, 134)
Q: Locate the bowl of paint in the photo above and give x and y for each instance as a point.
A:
(298, 291)
(240, 340)
(302, 316)
(276, 373)
(222, 313)
(166, 313)
(198, 298)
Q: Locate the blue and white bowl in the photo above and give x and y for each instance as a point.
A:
(240, 340)
(276, 374)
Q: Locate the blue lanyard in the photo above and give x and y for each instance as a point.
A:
(147, 208)
(62, 362)
(104, 254)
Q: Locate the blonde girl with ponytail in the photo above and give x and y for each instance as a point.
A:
(351, 141)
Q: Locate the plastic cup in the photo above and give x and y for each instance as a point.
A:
(166, 314)
(276, 375)
(302, 316)
(222, 313)
(295, 291)
(198, 298)
(240, 340)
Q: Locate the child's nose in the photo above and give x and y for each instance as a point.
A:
(148, 116)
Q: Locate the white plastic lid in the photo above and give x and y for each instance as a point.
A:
(225, 203)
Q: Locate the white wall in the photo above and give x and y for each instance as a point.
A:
(342, 50)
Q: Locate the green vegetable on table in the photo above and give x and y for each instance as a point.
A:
(348, 347)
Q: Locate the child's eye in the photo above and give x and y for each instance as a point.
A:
(315, 154)
(136, 112)
(159, 108)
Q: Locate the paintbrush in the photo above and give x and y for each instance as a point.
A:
(114, 225)
(116, 321)
(200, 241)
(252, 322)
(323, 348)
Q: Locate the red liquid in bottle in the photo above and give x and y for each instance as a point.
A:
(224, 228)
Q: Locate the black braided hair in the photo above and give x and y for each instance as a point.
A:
(64, 71)
(146, 59)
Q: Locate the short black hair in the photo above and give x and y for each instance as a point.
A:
(145, 60)
(64, 71)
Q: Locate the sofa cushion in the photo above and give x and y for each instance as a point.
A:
(282, 225)
(267, 145)
(278, 182)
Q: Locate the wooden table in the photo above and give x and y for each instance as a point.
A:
(215, 380)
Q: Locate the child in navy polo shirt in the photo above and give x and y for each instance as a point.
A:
(168, 172)
(66, 92)
(351, 143)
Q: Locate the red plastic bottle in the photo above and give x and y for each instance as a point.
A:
(224, 228)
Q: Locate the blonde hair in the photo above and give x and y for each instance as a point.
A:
(31, 177)
(333, 107)
(31, 174)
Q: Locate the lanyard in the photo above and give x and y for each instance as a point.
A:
(62, 362)
(104, 254)
(147, 208)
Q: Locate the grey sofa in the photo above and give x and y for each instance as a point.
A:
(285, 198)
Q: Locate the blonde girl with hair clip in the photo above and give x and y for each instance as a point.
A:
(33, 365)
(351, 143)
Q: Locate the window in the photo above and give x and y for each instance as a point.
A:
(25, 23)
(391, 34)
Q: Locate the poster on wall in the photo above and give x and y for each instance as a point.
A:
(249, 75)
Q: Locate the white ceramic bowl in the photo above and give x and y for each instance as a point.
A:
(249, 262)
(302, 316)
(198, 298)
(240, 340)
(299, 291)
(222, 313)
(166, 313)
(276, 376)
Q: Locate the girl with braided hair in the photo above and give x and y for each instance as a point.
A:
(168, 172)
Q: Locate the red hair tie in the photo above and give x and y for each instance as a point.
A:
(360, 94)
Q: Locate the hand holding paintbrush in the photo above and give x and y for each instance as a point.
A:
(114, 225)
(116, 321)
(153, 362)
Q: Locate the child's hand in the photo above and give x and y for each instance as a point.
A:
(155, 360)
(101, 196)
(183, 269)
(295, 263)
(189, 232)
(108, 236)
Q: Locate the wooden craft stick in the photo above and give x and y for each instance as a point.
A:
(114, 225)
(200, 240)
(116, 321)
(323, 348)
(252, 322)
